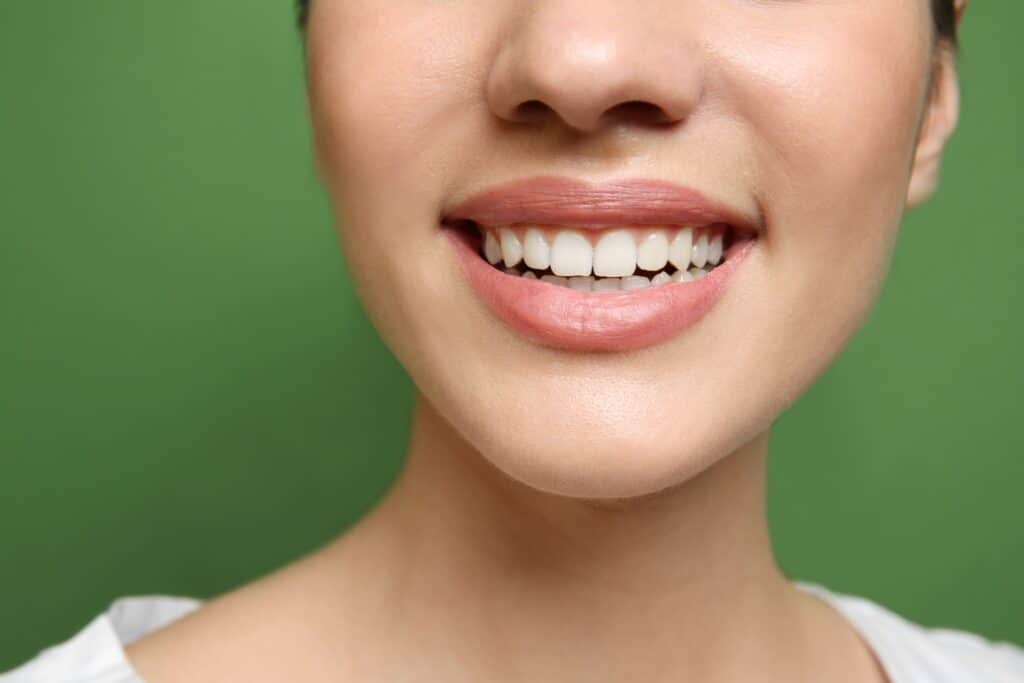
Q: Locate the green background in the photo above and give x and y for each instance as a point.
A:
(191, 396)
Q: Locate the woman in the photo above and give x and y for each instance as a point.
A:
(610, 242)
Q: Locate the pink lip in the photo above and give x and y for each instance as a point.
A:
(553, 200)
(568, 319)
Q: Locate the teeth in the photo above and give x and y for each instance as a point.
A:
(536, 250)
(680, 249)
(615, 255)
(635, 282)
(715, 249)
(615, 284)
(618, 260)
(584, 284)
(652, 254)
(492, 250)
(700, 250)
(571, 254)
(555, 280)
(661, 278)
(511, 247)
(608, 284)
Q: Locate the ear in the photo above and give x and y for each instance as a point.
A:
(939, 121)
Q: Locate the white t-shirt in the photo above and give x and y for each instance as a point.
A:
(909, 653)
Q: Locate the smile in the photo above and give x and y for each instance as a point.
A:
(598, 267)
(615, 260)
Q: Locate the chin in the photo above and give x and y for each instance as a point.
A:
(595, 449)
(593, 467)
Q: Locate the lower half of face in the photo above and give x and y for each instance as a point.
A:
(611, 244)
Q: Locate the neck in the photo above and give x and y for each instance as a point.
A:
(680, 580)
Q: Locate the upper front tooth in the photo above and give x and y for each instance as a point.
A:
(571, 254)
(615, 254)
(715, 249)
(492, 250)
(679, 251)
(536, 250)
(652, 254)
(511, 247)
(700, 250)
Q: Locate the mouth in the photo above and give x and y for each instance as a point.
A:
(587, 267)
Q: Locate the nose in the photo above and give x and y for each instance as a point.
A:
(591, 63)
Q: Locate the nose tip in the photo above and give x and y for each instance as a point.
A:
(592, 76)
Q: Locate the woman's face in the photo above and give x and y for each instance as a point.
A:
(791, 127)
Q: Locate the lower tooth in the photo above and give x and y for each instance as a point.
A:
(615, 284)
(583, 284)
(608, 284)
(635, 282)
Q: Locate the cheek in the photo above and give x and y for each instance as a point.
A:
(834, 113)
(831, 115)
(389, 109)
(384, 97)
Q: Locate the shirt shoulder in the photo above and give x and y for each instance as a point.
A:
(908, 652)
(911, 653)
(96, 653)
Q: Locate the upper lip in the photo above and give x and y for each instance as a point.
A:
(558, 200)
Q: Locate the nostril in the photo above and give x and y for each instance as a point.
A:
(635, 112)
(533, 111)
(638, 112)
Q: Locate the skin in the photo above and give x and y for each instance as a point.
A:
(590, 517)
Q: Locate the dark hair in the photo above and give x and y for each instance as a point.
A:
(943, 11)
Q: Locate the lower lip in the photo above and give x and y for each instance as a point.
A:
(563, 318)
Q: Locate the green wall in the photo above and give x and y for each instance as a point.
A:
(190, 395)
